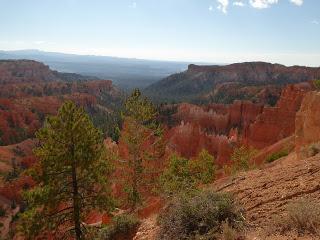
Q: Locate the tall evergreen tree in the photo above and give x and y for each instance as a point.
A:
(72, 176)
(142, 136)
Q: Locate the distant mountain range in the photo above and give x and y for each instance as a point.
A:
(250, 80)
(124, 72)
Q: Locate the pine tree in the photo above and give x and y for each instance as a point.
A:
(72, 176)
(142, 137)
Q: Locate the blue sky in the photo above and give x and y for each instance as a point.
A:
(223, 31)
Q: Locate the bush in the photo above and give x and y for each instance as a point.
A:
(201, 216)
(183, 175)
(314, 149)
(276, 156)
(122, 227)
(302, 216)
(241, 158)
(316, 83)
(202, 167)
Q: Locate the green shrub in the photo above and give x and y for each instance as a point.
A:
(314, 149)
(276, 156)
(316, 83)
(2, 211)
(122, 227)
(200, 216)
(302, 216)
(241, 157)
(183, 175)
(202, 167)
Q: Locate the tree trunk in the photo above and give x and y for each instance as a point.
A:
(134, 182)
(76, 204)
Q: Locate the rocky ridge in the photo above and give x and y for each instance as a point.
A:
(198, 82)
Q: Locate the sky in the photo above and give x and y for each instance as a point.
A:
(217, 31)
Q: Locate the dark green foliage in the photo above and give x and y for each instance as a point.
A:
(122, 227)
(109, 123)
(18, 152)
(14, 173)
(1, 134)
(13, 204)
(2, 211)
(20, 135)
(142, 138)
(166, 114)
(140, 109)
(177, 177)
(198, 216)
(276, 156)
(222, 97)
(272, 100)
(72, 176)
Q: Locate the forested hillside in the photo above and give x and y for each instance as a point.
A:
(256, 81)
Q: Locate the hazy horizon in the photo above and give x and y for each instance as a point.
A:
(211, 31)
(145, 59)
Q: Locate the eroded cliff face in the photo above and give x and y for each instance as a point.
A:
(219, 128)
(220, 118)
(24, 71)
(29, 91)
(215, 127)
(307, 122)
(276, 123)
(189, 139)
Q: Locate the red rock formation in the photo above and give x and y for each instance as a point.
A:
(308, 123)
(24, 71)
(276, 123)
(13, 190)
(215, 127)
(29, 91)
(218, 127)
(286, 144)
(220, 118)
(188, 140)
